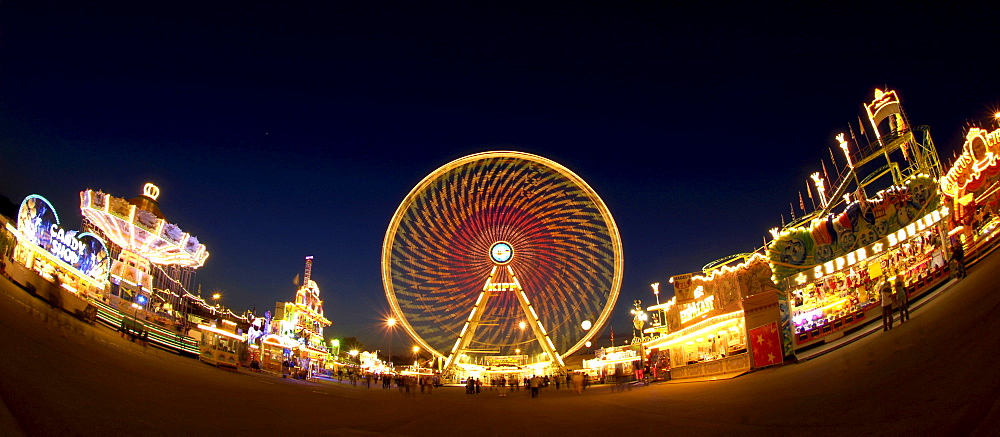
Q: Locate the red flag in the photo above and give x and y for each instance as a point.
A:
(766, 346)
(802, 203)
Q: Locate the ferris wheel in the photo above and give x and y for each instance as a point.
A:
(505, 254)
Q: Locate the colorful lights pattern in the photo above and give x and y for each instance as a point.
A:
(567, 254)
(134, 230)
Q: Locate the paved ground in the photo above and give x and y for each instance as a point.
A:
(935, 375)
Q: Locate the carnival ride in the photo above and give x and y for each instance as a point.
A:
(900, 161)
(154, 261)
(505, 255)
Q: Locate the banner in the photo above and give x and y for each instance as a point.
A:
(766, 345)
(683, 288)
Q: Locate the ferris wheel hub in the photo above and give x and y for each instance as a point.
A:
(501, 252)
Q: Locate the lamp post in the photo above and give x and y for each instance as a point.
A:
(391, 323)
(335, 348)
(416, 350)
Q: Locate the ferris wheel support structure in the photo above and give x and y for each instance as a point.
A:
(476, 316)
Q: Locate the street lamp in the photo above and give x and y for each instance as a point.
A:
(335, 347)
(416, 350)
(639, 318)
(656, 291)
(217, 300)
(391, 323)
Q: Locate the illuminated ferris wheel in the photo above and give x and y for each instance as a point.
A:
(503, 254)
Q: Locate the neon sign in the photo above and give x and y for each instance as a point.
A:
(38, 222)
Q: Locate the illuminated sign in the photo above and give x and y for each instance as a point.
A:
(38, 222)
(506, 360)
(501, 286)
(978, 160)
(698, 308)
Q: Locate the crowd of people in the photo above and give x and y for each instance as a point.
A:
(507, 384)
(406, 384)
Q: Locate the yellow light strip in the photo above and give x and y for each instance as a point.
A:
(711, 325)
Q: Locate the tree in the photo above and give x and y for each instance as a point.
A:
(351, 343)
(7, 207)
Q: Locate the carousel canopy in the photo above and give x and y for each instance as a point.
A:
(137, 225)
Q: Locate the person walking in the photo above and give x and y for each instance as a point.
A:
(902, 300)
(578, 383)
(502, 385)
(535, 382)
(885, 291)
(958, 260)
(619, 379)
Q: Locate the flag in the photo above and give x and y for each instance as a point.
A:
(612, 336)
(861, 125)
(766, 345)
(802, 203)
(854, 138)
(296, 281)
(792, 209)
(827, 176)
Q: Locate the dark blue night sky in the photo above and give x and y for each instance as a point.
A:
(277, 132)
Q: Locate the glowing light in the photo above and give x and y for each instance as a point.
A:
(391, 322)
(151, 191)
(820, 188)
(586, 325)
(843, 146)
(140, 232)
(801, 278)
(828, 266)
